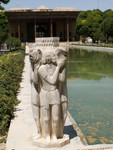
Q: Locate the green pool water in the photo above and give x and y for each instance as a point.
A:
(90, 92)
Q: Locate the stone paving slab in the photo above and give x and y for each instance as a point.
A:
(23, 126)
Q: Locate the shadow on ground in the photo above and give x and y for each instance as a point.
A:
(70, 131)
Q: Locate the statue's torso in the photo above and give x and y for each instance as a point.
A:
(47, 70)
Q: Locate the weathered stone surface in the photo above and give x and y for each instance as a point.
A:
(60, 142)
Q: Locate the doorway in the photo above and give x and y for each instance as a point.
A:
(30, 32)
(42, 30)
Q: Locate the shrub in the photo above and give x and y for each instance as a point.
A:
(11, 67)
(13, 43)
(4, 27)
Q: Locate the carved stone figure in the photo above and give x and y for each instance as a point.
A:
(49, 91)
(35, 57)
(62, 56)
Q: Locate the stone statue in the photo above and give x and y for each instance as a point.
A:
(49, 92)
(35, 57)
(62, 56)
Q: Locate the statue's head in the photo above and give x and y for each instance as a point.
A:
(35, 56)
(61, 54)
(48, 57)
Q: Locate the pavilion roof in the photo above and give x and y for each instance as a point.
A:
(65, 9)
(19, 9)
(43, 8)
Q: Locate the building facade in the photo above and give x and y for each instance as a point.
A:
(28, 24)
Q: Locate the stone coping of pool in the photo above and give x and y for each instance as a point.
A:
(94, 48)
(22, 127)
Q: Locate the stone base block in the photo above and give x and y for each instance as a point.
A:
(43, 143)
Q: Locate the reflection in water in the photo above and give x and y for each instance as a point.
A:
(89, 64)
(90, 87)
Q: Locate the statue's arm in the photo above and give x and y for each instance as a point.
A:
(50, 79)
(35, 75)
(62, 75)
(31, 74)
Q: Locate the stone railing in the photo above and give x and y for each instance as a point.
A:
(49, 41)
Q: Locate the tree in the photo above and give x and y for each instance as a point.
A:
(1, 8)
(88, 24)
(107, 24)
(94, 21)
(4, 27)
(4, 1)
(81, 25)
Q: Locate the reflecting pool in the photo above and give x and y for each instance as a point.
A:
(90, 92)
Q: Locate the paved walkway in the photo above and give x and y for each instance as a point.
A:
(23, 127)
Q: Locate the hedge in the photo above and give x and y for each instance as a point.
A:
(13, 43)
(11, 68)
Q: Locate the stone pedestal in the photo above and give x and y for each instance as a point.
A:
(43, 143)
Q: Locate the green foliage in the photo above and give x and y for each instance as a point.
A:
(93, 22)
(13, 43)
(107, 24)
(81, 26)
(4, 27)
(11, 66)
(4, 1)
(88, 24)
(1, 8)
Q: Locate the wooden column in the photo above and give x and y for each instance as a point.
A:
(64, 25)
(67, 30)
(51, 27)
(19, 29)
(34, 28)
